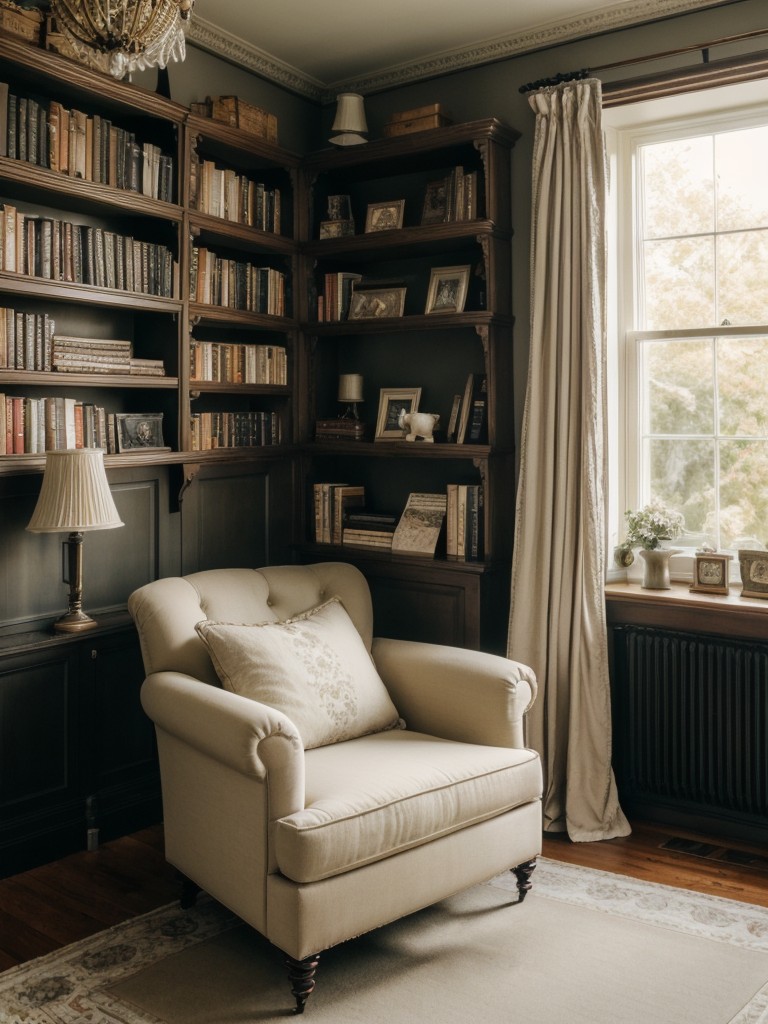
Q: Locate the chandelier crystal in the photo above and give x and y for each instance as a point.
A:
(130, 34)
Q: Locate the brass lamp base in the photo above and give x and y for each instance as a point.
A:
(74, 622)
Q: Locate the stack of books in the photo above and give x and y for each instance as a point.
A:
(344, 429)
(101, 355)
(370, 529)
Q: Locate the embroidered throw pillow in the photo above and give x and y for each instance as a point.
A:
(314, 668)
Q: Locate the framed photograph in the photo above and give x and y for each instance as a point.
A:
(710, 573)
(139, 431)
(447, 289)
(391, 402)
(336, 228)
(385, 216)
(435, 199)
(372, 303)
(339, 208)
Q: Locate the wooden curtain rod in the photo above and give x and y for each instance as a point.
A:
(577, 76)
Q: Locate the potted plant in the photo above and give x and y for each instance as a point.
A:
(648, 528)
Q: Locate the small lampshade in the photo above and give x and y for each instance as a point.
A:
(75, 495)
(349, 121)
(350, 387)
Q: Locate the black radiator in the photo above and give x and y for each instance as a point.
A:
(691, 728)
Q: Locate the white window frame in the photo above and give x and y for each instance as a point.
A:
(626, 128)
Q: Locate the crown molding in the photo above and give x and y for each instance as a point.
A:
(206, 36)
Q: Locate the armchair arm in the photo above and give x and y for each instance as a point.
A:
(241, 734)
(458, 694)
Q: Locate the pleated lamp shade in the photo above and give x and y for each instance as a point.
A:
(75, 495)
(349, 121)
(350, 387)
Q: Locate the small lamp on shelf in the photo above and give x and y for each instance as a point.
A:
(74, 498)
(350, 120)
(351, 392)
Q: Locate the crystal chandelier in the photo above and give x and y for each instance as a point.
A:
(126, 35)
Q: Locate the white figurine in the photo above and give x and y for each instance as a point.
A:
(419, 425)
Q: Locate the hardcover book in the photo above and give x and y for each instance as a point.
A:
(419, 528)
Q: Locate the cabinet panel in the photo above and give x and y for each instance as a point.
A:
(41, 777)
(236, 514)
(124, 785)
(77, 753)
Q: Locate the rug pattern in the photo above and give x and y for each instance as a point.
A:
(70, 986)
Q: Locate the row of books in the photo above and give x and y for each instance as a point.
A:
(333, 304)
(48, 134)
(340, 517)
(26, 340)
(468, 421)
(234, 430)
(63, 251)
(231, 363)
(464, 525)
(236, 284)
(332, 503)
(452, 198)
(222, 192)
(37, 425)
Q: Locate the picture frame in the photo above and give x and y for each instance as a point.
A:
(391, 401)
(435, 209)
(339, 208)
(336, 228)
(385, 216)
(139, 432)
(374, 303)
(710, 572)
(447, 291)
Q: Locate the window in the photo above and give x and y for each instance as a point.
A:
(692, 324)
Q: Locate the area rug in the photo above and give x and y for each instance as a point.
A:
(586, 947)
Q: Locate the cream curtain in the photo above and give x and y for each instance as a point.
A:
(557, 617)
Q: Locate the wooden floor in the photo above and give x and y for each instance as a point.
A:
(51, 906)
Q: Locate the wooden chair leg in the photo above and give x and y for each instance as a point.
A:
(301, 974)
(523, 874)
(189, 891)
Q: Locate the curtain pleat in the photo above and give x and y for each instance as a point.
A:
(557, 615)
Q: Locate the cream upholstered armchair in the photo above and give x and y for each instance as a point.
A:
(319, 782)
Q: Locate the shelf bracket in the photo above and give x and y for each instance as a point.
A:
(191, 469)
(481, 330)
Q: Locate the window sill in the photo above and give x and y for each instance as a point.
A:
(680, 608)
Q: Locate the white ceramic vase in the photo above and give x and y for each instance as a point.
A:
(656, 567)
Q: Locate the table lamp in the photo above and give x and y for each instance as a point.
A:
(74, 497)
(351, 392)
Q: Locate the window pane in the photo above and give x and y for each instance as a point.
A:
(743, 492)
(742, 372)
(679, 380)
(681, 474)
(742, 277)
(741, 159)
(679, 192)
(679, 284)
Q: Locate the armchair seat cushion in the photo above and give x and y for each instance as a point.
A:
(378, 795)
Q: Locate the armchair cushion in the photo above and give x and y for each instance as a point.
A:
(379, 795)
(314, 667)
